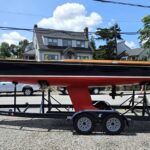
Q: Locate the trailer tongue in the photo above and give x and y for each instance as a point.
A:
(77, 76)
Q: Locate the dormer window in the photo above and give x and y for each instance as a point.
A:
(67, 43)
(52, 42)
(80, 44)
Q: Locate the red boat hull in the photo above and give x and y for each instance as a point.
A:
(77, 81)
(77, 76)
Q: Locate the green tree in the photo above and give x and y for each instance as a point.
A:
(110, 36)
(5, 50)
(13, 49)
(92, 42)
(21, 47)
(145, 33)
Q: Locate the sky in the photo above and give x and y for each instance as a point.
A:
(72, 15)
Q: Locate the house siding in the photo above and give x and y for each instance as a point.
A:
(84, 55)
(42, 53)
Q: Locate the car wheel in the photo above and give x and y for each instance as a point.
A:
(83, 124)
(28, 91)
(96, 91)
(113, 124)
(66, 92)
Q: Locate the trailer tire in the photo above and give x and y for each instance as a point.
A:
(113, 124)
(83, 123)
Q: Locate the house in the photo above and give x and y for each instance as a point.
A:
(29, 52)
(135, 54)
(121, 47)
(50, 44)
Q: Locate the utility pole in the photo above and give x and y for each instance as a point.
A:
(116, 50)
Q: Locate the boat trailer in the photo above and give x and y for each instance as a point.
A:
(113, 118)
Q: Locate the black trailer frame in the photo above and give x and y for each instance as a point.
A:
(15, 109)
(20, 110)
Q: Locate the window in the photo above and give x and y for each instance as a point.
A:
(83, 57)
(67, 43)
(50, 57)
(80, 43)
(52, 42)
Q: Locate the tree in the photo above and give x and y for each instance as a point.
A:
(110, 36)
(145, 33)
(21, 47)
(13, 49)
(92, 42)
(5, 50)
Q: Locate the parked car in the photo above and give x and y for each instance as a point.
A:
(27, 89)
(93, 90)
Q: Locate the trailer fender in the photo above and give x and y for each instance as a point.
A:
(96, 114)
(128, 121)
(80, 112)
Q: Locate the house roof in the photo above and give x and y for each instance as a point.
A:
(60, 34)
(134, 52)
(51, 33)
(122, 45)
(30, 52)
(29, 47)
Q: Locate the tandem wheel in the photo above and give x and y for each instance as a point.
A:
(113, 124)
(83, 123)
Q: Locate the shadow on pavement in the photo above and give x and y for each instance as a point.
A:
(64, 125)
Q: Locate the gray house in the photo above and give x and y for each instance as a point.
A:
(135, 54)
(49, 44)
(29, 52)
(121, 47)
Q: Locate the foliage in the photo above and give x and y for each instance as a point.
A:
(105, 52)
(110, 35)
(4, 50)
(7, 50)
(92, 42)
(145, 33)
(21, 47)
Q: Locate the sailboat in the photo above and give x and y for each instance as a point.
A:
(76, 72)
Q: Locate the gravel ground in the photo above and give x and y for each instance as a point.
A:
(50, 134)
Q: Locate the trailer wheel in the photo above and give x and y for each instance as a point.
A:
(83, 124)
(113, 124)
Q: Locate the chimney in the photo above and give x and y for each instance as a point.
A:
(86, 31)
(35, 26)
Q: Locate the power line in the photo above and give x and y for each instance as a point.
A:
(15, 28)
(41, 30)
(122, 3)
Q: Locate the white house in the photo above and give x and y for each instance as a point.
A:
(49, 44)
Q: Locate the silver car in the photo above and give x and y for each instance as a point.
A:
(27, 89)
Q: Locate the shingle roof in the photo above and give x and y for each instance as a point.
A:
(29, 47)
(30, 52)
(40, 33)
(121, 47)
(134, 52)
(60, 34)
